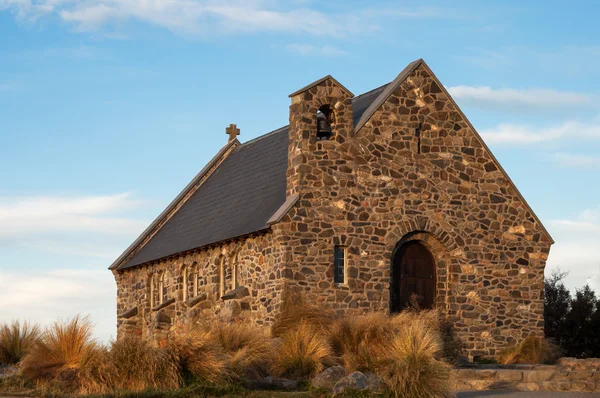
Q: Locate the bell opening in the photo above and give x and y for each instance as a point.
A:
(324, 121)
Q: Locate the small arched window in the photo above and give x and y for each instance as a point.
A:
(325, 121)
(234, 267)
(221, 268)
(184, 283)
(152, 289)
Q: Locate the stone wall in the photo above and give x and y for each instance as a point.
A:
(568, 375)
(192, 292)
(373, 190)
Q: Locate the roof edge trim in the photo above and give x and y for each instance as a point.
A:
(283, 210)
(316, 82)
(116, 264)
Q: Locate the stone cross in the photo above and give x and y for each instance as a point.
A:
(232, 130)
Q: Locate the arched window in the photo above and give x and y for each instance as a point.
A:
(194, 275)
(325, 121)
(152, 289)
(221, 267)
(184, 283)
(234, 267)
(162, 290)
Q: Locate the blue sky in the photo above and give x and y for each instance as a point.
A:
(109, 107)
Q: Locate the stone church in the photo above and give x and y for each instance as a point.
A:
(362, 203)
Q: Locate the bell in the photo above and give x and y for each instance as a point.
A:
(323, 128)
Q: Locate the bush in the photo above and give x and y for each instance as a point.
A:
(295, 311)
(200, 356)
(532, 350)
(357, 341)
(408, 365)
(301, 353)
(16, 340)
(65, 353)
(134, 365)
(248, 349)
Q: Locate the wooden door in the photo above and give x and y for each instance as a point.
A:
(414, 274)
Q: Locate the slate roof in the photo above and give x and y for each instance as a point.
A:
(239, 197)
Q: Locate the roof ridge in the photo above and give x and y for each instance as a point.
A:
(260, 137)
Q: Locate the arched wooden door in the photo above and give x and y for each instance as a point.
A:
(413, 273)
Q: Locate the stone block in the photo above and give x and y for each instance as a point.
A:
(527, 386)
(237, 293)
(509, 375)
(538, 375)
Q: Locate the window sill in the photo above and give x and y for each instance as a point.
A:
(341, 285)
(163, 305)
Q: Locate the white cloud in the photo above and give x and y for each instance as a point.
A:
(210, 17)
(55, 294)
(33, 216)
(576, 249)
(310, 50)
(521, 134)
(488, 97)
(579, 161)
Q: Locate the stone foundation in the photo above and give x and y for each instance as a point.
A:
(568, 375)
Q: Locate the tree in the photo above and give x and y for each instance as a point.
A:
(557, 302)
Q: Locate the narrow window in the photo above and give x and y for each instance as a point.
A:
(152, 290)
(184, 272)
(161, 289)
(339, 264)
(418, 134)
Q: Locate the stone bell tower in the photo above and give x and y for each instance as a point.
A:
(320, 123)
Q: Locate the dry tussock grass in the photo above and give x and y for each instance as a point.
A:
(532, 350)
(248, 348)
(65, 356)
(134, 365)
(408, 363)
(16, 339)
(200, 356)
(62, 347)
(294, 311)
(301, 353)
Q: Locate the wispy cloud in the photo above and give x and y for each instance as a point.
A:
(577, 161)
(38, 215)
(319, 51)
(210, 17)
(576, 248)
(45, 296)
(522, 134)
(488, 97)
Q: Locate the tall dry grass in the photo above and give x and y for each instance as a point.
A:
(199, 356)
(408, 364)
(294, 311)
(132, 364)
(16, 339)
(532, 350)
(248, 349)
(301, 353)
(62, 347)
(65, 355)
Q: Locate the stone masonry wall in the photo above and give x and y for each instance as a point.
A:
(192, 289)
(377, 189)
